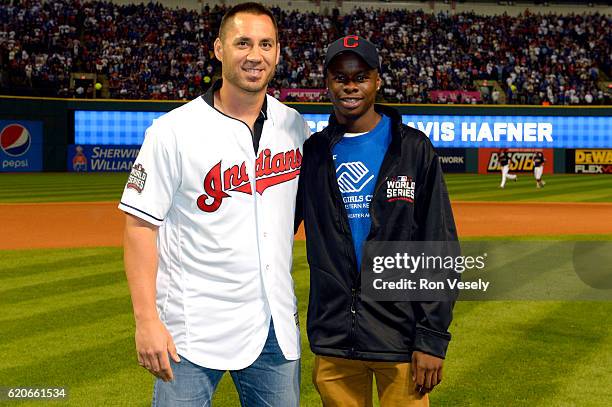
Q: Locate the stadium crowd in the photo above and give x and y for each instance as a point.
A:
(153, 52)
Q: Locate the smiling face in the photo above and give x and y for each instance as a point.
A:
(352, 87)
(248, 51)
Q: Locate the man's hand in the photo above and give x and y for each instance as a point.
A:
(426, 371)
(153, 341)
(153, 344)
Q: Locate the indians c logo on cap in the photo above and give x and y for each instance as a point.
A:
(15, 140)
(351, 41)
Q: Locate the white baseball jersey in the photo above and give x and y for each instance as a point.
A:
(226, 229)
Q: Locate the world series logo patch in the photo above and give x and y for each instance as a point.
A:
(137, 178)
(400, 188)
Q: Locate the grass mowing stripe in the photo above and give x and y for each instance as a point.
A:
(56, 288)
(475, 328)
(73, 368)
(20, 178)
(43, 271)
(603, 199)
(104, 329)
(580, 191)
(61, 191)
(523, 184)
(528, 186)
(543, 345)
(63, 199)
(63, 303)
(509, 195)
(13, 196)
(100, 198)
(487, 189)
(581, 339)
(138, 394)
(570, 391)
(63, 187)
(458, 177)
(64, 318)
(581, 237)
(479, 329)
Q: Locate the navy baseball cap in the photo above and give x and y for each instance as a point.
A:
(352, 43)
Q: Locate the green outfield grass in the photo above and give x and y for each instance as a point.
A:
(67, 321)
(60, 187)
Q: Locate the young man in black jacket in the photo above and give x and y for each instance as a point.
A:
(346, 198)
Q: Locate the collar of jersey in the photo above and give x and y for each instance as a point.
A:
(365, 137)
(209, 98)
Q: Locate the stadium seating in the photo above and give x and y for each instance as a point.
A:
(55, 48)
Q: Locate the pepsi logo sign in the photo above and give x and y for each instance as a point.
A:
(15, 140)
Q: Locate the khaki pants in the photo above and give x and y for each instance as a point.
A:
(348, 383)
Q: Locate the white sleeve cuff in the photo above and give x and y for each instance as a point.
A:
(140, 214)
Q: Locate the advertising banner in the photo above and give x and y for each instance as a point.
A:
(521, 160)
(444, 131)
(452, 159)
(504, 131)
(21, 145)
(101, 158)
(455, 96)
(302, 95)
(589, 161)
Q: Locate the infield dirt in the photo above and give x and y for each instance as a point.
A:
(89, 224)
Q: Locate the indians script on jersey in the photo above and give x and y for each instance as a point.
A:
(401, 188)
(269, 171)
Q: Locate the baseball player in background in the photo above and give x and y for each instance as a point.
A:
(208, 239)
(538, 169)
(504, 161)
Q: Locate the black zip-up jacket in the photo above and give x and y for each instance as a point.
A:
(339, 323)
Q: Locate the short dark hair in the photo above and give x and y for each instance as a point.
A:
(251, 8)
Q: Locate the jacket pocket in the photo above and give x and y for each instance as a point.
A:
(328, 308)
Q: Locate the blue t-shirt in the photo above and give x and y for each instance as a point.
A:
(358, 160)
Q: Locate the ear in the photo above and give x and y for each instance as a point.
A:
(218, 46)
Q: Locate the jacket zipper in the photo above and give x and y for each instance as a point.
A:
(353, 321)
(355, 288)
(344, 224)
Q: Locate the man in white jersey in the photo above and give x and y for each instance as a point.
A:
(210, 207)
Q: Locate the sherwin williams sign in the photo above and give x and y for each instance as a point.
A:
(101, 158)
(20, 146)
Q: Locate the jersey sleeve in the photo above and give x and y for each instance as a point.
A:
(154, 178)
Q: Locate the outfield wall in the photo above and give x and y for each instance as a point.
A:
(69, 134)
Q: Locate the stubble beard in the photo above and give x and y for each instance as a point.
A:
(252, 87)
